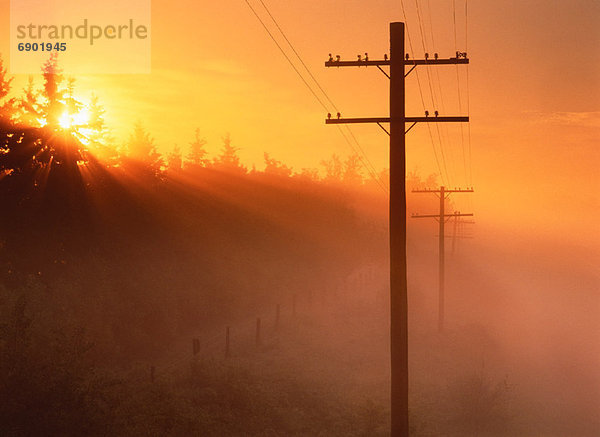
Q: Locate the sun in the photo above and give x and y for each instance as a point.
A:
(76, 120)
(65, 121)
(81, 118)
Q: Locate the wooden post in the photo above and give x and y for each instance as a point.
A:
(397, 210)
(454, 235)
(227, 342)
(258, 340)
(152, 373)
(442, 263)
(195, 346)
(443, 193)
(397, 217)
(277, 315)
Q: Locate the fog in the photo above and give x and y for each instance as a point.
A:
(101, 308)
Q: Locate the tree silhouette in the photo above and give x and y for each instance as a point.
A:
(334, 168)
(275, 167)
(175, 160)
(142, 150)
(415, 182)
(29, 107)
(98, 136)
(37, 141)
(197, 155)
(6, 105)
(311, 174)
(7, 113)
(229, 159)
(352, 173)
(58, 98)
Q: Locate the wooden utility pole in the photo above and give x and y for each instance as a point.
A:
(397, 224)
(397, 209)
(442, 218)
(458, 233)
(454, 234)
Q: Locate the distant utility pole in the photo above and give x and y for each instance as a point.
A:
(397, 210)
(442, 218)
(458, 231)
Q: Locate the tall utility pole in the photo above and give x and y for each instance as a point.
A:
(442, 218)
(397, 209)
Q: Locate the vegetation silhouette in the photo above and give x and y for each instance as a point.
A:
(111, 253)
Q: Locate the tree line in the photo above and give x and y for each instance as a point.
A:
(42, 131)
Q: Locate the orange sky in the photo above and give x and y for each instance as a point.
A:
(534, 87)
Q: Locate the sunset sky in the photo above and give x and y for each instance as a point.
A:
(534, 93)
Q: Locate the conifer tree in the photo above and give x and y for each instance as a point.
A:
(175, 160)
(229, 159)
(197, 153)
(142, 149)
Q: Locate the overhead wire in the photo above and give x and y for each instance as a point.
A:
(438, 81)
(468, 94)
(368, 165)
(421, 93)
(360, 153)
(297, 54)
(358, 150)
(462, 131)
(286, 56)
(428, 68)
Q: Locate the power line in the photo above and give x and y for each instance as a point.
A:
(431, 90)
(286, 56)
(366, 163)
(443, 105)
(373, 175)
(462, 133)
(298, 55)
(397, 208)
(442, 217)
(468, 92)
(421, 93)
